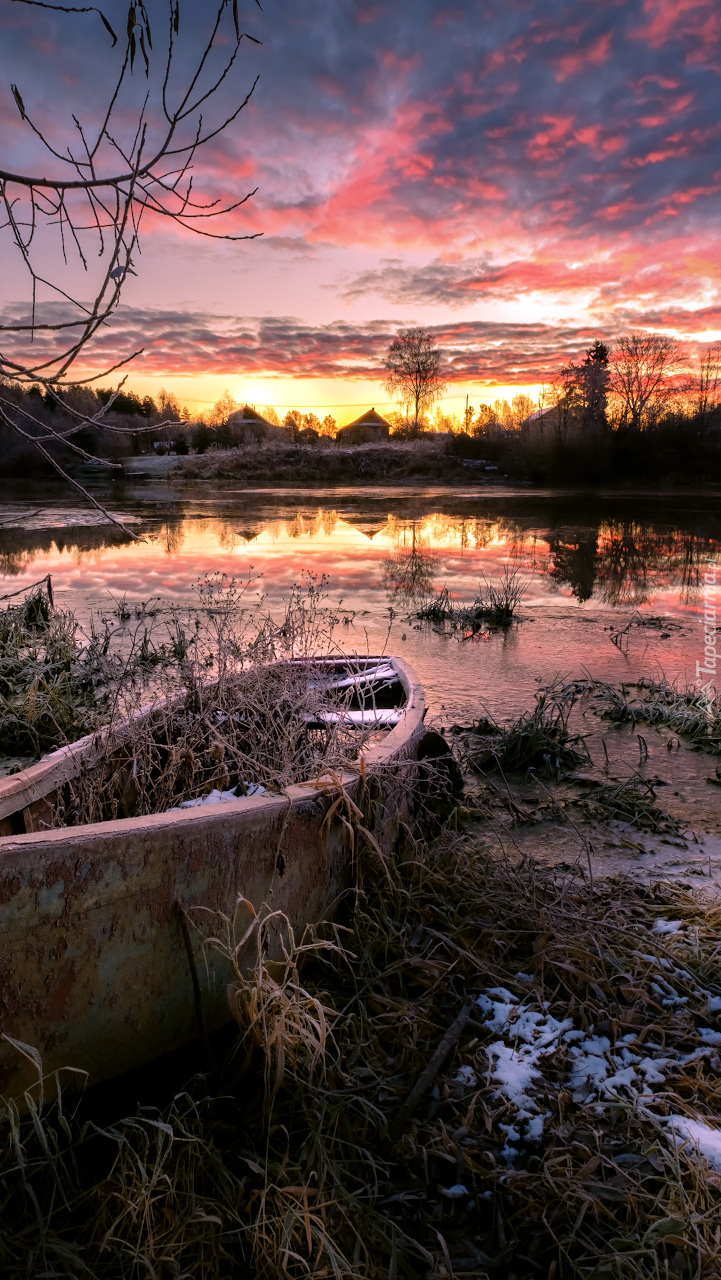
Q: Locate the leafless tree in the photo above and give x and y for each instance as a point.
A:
(708, 382)
(414, 371)
(561, 405)
(644, 372)
(131, 158)
(522, 406)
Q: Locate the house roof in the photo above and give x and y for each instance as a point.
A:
(246, 414)
(368, 419)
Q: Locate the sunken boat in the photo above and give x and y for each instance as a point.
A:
(104, 962)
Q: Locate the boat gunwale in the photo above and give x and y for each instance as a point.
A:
(64, 763)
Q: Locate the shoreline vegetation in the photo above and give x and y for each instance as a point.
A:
(216, 696)
(488, 1066)
(428, 461)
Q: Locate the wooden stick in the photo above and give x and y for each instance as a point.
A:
(425, 1080)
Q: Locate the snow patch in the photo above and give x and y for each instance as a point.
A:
(707, 1140)
(455, 1192)
(220, 797)
(466, 1076)
(515, 1067)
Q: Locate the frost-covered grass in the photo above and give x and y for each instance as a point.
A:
(692, 712)
(631, 800)
(539, 740)
(54, 681)
(196, 705)
(495, 605)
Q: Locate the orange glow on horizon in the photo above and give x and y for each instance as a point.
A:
(344, 400)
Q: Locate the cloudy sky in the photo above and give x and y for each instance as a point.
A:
(519, 175)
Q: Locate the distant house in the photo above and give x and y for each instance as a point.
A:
(250, 427)
(367, 429)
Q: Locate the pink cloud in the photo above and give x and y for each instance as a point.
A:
(670, 19)
(593, 56)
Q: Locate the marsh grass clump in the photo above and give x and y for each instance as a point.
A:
(631, 800)
(60, 681)
(494, 607)
(498, 603)
(690, 711)
(217, 698)
(439, 608)
(53, 682)
(539, 740)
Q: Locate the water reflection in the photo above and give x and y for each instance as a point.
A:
(21, 548)
(573, 561)
(618, 562)
(172, 538)
(627, 564)
(408, 573)
(586, 561)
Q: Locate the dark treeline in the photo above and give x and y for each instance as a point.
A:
(642, 412)
(101, 423)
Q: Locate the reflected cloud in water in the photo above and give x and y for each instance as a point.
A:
(585, 565)
(621, 564)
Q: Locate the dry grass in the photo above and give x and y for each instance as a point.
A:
(631, 800)
(229, 701)
(262, 727)
(52, 681)
(690, 711)
(289, 1166)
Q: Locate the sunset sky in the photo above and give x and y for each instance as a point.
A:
(520, 176)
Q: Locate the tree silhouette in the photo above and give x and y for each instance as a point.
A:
(414, 371)
(642, 369)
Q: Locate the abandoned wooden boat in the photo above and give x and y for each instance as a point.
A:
(94, 968)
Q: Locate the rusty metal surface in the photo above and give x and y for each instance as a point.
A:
(93, 969)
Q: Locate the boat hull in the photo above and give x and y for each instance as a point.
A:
(94, 969)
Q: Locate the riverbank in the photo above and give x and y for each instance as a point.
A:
(493, 1068)
(421, 462)
(500, 1060)
(434, 460)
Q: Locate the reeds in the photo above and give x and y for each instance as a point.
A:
(631, 800)
(539, 740)
(58, 682)
(263, 728)
(220, 698)
(494, 606)
(498, 602)
(691, 711)
(47, 677)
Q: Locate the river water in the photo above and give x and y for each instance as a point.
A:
(591, 565)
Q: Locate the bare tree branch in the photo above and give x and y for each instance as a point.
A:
(103, 180)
